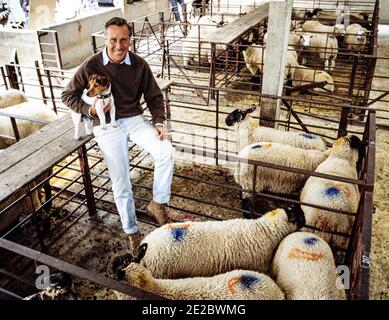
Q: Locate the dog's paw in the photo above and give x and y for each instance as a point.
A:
(76, 137)
(89, 133)
(104, 127)
(114, 124)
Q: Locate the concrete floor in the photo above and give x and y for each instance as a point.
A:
(379, 283)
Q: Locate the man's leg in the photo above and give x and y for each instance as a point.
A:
(143, 134)
(113, 143)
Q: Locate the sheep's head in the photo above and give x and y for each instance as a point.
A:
(361, 35)
(60, 280)
(295, 215)
(120, 263)
(238, 115)
(339, 29)
(59, 288)
(350, 148)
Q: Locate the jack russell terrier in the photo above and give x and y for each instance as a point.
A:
(100, 88)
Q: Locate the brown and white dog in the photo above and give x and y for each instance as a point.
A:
(99, 88)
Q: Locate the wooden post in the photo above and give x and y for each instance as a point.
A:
(274, 64)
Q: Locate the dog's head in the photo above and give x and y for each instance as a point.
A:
(97, 84)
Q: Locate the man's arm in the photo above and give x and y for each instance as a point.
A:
(71, 96)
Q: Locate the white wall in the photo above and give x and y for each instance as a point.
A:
(74, 36)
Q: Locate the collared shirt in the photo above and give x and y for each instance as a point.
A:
(106, 58)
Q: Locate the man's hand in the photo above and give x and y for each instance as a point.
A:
(161, 131)
(106, 108)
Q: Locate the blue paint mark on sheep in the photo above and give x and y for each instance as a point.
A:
(256, 147)
(332, 192)
(178, 233)
(311, 241)
(247, 282)
(308, 136)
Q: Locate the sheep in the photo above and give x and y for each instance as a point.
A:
(296, 41)
(302, 75)
(326, 46)
(273, 180)
(329, 17)
(316, 26)
(233, 285)
(11, 97)
(355, 37)
(343, 160)
(248, 131)
(254, 57)
(59, 288)
(304, 268)
(25, 128)
(208, 248)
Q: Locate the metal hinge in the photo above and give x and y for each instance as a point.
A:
(365, 260)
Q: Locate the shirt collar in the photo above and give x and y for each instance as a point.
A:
(106, 59)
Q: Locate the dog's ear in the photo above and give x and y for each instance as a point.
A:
(92, 77)
(103, 81)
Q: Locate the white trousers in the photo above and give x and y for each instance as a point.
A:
(113, 143)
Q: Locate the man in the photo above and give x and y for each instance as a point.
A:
(4, 12)
(130, 77)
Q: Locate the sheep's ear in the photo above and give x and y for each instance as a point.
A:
(141, 252)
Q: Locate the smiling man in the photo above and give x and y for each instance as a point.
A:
(130, 77)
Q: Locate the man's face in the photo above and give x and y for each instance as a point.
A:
(117, 40)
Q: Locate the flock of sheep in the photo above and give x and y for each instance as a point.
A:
(264, 258)
(316, 33)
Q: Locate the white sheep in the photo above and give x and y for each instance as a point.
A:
(232, 285)
(355, 37)
(25, 128)
(273, 180)
(208, 248)
(302, 75)
(326, 46)
(254, 57)
(316, 26)
(35, 110)
(297, 41)
(248, 131)
(11, 97)
(332, 194)
(304, 268)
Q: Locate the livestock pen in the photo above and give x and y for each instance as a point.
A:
(81, 232)
(67, 238)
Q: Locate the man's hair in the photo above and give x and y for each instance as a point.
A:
(118, 21)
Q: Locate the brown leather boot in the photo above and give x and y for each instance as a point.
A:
(158, 211)
(134, 242)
